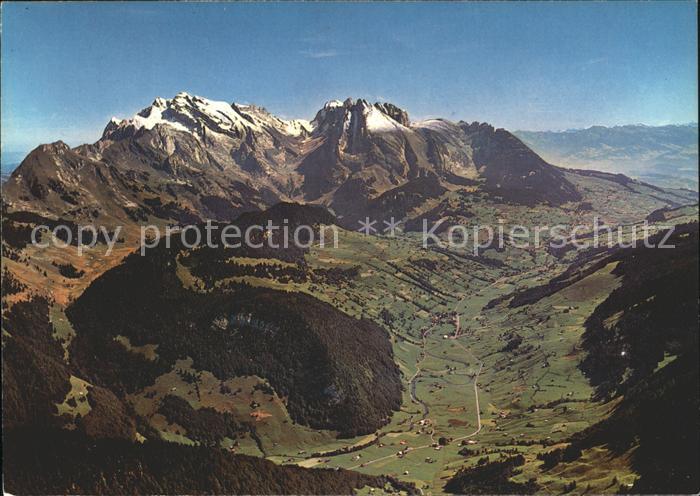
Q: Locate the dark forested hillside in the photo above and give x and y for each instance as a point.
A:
(34, 375)
(99, 454)
(40, 461)
(652, 314)
(336, 371)
(491, 478)
(642, 342)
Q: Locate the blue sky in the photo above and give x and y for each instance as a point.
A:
(67, 68)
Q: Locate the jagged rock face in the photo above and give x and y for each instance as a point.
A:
(448, 149)
(396, 113)
(182, 159)
(362, 150)
(190, 158)
(191, 135)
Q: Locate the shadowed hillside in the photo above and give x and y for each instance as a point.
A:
(337, 372)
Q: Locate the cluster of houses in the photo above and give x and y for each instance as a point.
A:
(402, 452)
(426, 426)
(444, 318)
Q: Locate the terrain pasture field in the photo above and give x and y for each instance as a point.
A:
(458, 344)
(531, 398)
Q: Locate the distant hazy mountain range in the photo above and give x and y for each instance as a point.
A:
(664, 155)
(9, 162)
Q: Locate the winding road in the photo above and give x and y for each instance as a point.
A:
(456, 337)
(426, 410)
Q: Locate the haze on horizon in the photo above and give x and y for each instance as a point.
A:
(68, 67)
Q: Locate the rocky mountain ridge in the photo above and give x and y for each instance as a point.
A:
(188, 158)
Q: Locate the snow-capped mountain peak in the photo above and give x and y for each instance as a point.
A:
(332, 104)
(204, 117)
(197, 115)
(261, 117)
(378, 121)
(356, 114)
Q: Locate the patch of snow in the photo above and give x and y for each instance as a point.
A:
(194, 114)
(436, 124)
(297, 126)
(223, 113)
(333, 104)
(378, 121)
(263, 118)
(153, 115)
(186, 113)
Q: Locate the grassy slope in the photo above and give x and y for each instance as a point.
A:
(381, 285)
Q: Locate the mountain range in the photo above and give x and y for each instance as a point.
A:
(189, 158)
(662, 155)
